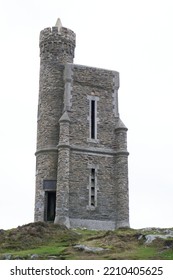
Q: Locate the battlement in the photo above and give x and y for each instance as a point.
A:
(49, 33)
(58, 43)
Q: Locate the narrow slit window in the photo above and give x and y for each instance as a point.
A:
(93, 119)
(92, 173)
(92, 190)
(92, 178)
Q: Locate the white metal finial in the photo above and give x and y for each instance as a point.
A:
(58, 24)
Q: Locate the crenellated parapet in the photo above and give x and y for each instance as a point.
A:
(57, 43)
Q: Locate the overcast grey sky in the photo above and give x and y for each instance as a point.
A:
(133, 37)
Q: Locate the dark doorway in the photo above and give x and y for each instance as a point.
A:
(50, 206)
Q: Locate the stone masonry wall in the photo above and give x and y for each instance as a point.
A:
(50, 105)
(79, 181)
(46, 168)
(122, 191)
(89, 81)
(49, 112)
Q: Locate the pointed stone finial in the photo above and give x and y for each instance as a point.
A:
(58, 24)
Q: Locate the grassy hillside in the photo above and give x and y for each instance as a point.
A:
(49, 241)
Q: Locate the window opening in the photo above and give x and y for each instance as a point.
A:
(92, 194)
(93, 119)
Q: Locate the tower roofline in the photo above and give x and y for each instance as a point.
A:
(57, 43)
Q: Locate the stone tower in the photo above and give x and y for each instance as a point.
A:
(81, 157)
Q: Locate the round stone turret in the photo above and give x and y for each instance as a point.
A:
(57, 43)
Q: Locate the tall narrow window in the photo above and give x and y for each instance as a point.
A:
(93, 119)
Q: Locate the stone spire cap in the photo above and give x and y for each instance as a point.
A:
(65, 117)
(120, 125)
(58, 24)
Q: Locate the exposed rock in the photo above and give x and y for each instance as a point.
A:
(140, 237)
(89, 249)
(18, 258)
(168, 231)
(52, 258)
(7, 257)
(34, 257)
(151, 237)
(158, 230)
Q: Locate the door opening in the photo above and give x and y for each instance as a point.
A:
(50, 206)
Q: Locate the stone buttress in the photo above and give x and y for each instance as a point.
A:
(62, 191)
(121, 167)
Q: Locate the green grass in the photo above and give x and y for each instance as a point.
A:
(168, 255)
(46, 240)
(44, 250)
